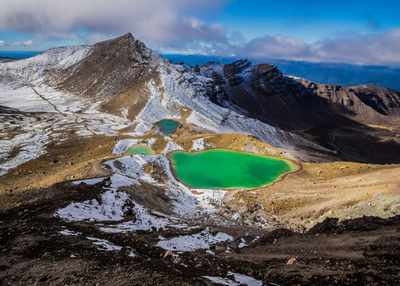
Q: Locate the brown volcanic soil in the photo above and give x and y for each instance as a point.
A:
(363, 251)
(70, 160)
(343, 190)
(108, 70)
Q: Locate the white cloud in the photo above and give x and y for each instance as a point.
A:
(373, 48)
(275, 47)
(2, 43)
(27, 43)
(157, 22)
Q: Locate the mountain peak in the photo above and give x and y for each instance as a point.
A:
(126, 42)
(124, 56)
(125, 38)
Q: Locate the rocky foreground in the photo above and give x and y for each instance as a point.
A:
(37, 248)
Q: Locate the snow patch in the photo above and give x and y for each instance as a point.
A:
(242, 243)
(89, 182)
(191, 204)
(111, 207)
(123, 145)
(198, 144)
(201, 240)
(34, 68)
(103, 244)
(68, 232)
(29, 145)
(235, 279)
(144, 221)
(171, 146)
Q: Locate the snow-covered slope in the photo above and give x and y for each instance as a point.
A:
(33, 70)
(34, 113)
(180, 87)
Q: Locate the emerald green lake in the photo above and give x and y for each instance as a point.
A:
(139, 150)
(168, 126)
(224, 169)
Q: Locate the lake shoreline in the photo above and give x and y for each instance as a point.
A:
(294, 167)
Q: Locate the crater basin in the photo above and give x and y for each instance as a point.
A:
(140, 150)
(226, 169)
(168, 126)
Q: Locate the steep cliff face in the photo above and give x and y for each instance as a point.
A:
(262, 91)
(364, 103)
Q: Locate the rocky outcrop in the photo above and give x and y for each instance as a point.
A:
(234, 72)
(342, 119)
(262, 91)
(364, 103)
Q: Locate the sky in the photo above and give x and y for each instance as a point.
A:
(349, 31)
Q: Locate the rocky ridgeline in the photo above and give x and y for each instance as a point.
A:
(262, 91)
(234, 72)
(111, 67)
(365, 100)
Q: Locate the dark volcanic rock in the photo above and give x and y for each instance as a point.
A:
(366, 103)
(233, 71)
(290, 103)
(336, 117)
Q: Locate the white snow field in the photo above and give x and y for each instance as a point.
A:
(201, 240)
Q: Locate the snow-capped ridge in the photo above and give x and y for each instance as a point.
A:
(35, 68)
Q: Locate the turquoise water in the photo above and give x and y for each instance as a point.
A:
(140, 150)
(225, 169)
(168, 126)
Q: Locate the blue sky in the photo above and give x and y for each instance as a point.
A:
(310, 19)
(354, 31)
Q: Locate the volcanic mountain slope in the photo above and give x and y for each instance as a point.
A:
(328, 114)
(110, 68)
(139, 88)
(71, 192)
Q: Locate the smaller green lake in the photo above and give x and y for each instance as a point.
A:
(168, 126)
(224, 169)
(140, 150)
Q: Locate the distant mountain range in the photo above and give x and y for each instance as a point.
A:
(17, 55)
(333, 73)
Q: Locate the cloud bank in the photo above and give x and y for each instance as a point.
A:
(183, 25)
(372, 48)
(159, 22)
